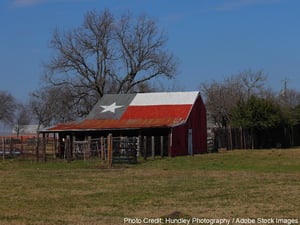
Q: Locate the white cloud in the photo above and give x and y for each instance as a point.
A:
(238, 4)
(26, 3)
(23, 3)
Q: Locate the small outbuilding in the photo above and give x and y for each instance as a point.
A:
(174, 120)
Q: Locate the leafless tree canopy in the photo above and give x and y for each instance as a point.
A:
(51, 105)
(222, 96)
(109, 55)
(22, 117)
(7, 107)
(252, 82)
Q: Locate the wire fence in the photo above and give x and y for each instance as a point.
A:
(111, 149)
(17, 146)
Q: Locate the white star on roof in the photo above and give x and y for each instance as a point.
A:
(110, 108)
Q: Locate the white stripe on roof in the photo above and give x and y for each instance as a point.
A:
(165, 98)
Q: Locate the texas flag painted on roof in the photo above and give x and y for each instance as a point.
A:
(144, 106)
(111, 106)
(141, 110)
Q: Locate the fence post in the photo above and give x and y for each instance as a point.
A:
(74, 145)
(109, 150)
(102, 148)
(162, 146)
(58, 145)
(139, 146)
(3, 148)
(145, 147)
(89, 146)
(170, 145)
(44, 148)
(11, 143)
(22, 144)
(37, 152)
(153, 147)
(68, 148)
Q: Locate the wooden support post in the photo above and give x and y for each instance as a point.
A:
(10, 144)
(22, 144)
(145, 147)
(170, 144)
(37, 152)
(68, 148)
(53, 145)
(153, 147)
(74, 146)
(139, 146)
(89, 147)
(98, 150)
(109, 150)
(59, 146)
(56, 142)
(162, 146)
(44, 148)
(3, 148)
(102, 148)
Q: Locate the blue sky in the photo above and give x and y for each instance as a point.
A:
(212, 39)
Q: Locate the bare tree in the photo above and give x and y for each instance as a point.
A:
(7, 107)
(51, 105)
(222, 96)
(40, 108)
(22, 118)
(109, 55)
(253, 82)
(143, 54)
(289, 98)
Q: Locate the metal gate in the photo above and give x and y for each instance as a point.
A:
(87, 148)
(124, 149)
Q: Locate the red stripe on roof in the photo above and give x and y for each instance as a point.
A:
(157, 112)
(119, 124)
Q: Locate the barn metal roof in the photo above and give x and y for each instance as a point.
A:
(134, 111)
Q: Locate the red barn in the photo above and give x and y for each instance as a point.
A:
(177, 117)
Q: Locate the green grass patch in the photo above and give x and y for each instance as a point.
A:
(239, 160)
(259, 183)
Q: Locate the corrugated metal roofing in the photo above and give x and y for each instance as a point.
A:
(133, 111)
(117, 104)
(116, 124)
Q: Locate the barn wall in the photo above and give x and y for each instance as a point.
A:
(179, 141)
(196, 122)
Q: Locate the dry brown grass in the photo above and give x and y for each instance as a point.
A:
(231, 184)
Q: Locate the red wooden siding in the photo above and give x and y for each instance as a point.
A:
(197, 122)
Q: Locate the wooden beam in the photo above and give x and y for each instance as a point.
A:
(44, 148)
(102, 148)
(68, 148)
(109, 150)
(145, 147)
(153, 146)
(74, 145)
(162, 146)
(3, 148)
(37, 152)
(89, 146)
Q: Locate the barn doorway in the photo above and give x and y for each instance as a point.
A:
(190, 142)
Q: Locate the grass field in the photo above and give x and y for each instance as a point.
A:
(233, 184)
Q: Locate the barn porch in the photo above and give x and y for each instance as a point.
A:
(126, 145)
